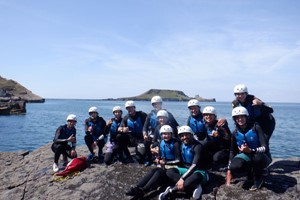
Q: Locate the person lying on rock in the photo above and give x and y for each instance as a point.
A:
(167, 154)
(64, 142)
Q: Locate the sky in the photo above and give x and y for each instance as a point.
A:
(97, 49)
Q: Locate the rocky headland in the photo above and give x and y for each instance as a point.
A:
(28, 175)
(167, 95)
(14, 96)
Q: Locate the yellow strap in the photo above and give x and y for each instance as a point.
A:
(62, 178)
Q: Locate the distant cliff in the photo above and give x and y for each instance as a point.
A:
(12, 90)
(14, 96)
(167, 95)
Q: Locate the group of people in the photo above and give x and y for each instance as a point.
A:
(182, 154)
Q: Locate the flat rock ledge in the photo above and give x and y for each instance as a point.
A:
(29, 175)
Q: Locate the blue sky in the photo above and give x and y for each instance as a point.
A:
(108, 49)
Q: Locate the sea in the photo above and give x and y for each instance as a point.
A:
(37, 127)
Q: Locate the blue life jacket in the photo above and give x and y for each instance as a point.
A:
(167, 150)
(197, 124)
(114, 128)
(250, 138)
(136, 127)
(209, 134)
(254, 111)
(153, 120)
(187, 153)
(65, 133)
(97, 128)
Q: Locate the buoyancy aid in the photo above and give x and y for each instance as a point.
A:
(136, 127)
(114, 128)
(97, 128)
(153, 120)
(187, 153)
(65, 133)
(197, 124)
(250, 138)
(167, 150)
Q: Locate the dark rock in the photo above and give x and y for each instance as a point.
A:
(30, 176)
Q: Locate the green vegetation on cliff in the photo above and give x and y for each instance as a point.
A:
(167, 95)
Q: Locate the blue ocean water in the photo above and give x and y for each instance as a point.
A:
(38, 125)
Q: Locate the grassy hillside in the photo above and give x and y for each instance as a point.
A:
(12, 89)
(167, 95)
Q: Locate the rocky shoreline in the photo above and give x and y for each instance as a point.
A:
(28, 175)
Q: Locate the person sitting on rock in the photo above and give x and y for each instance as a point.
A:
(248, 149)
(64, 142)
(132, 126)
(192, 174)
(117, 143)
(217, 142)
(94, 127)
(163, 119)
(167, 156)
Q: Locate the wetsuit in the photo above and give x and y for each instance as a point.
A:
(98, 125)
(251, 163)
(60, 144)
(135, 124)
(218, 147)
(118, 142)
(259, 113)
(194, 167)
(168, 151)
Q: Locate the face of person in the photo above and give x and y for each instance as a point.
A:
(195, 110)
(166, 136)
(118, 114)
(93, 115)
(131, 110)
(185, 137)
(241, 96)
(240, 120)
(162, 120)
(157, 106)
(71, 123)
(209, 118)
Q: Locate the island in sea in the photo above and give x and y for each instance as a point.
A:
(167, 95)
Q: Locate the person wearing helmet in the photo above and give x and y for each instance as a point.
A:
(94, 127)
(248, 149)
(155, 137)
(167, 155)
(195, 120)
(217, 139)
(64, 142)
(257, 109)
(117, 144)
(132, 126)
(152, 121)
(192, 174)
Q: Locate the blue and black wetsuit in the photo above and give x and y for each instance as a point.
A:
(60, 144)
(255, 161)
(198, 126)
(98, 126)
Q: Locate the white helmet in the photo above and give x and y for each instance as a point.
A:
(156, 99)
(240, 110)
(93, 109)
(129, 104)
(117, 108)
(166, 129)
(193, 102)
(240, 88)
(185, 129)
(209, 110)
(162, 113)
(72, 117)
